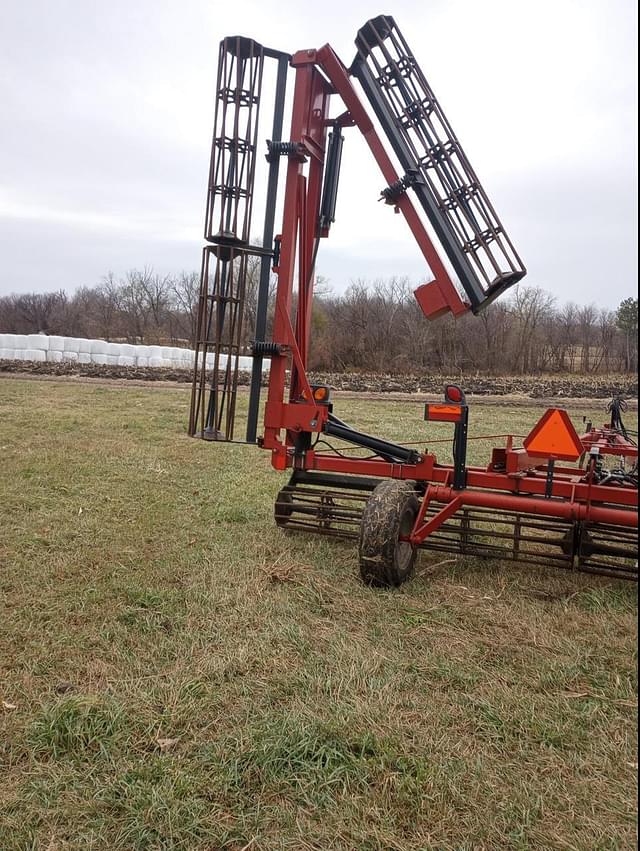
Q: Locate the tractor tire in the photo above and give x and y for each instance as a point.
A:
(385, 561)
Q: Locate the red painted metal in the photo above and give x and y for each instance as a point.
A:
(515, 480)
(297, 417)
(564, 508)
(440, 295)
(532, 482)
(422, 530)
(319, 74)
(608, 442)
(425, 470)
(302, 202)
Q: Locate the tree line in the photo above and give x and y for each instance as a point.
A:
(373, 326)
(141, 307)
(381, 327)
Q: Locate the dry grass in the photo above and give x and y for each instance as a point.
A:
(176, 673)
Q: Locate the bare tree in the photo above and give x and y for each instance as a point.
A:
(185, 291)
(587, 317)
(529, 306)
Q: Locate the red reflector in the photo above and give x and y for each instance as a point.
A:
(443, 413)
(453, 393)
(554, 437)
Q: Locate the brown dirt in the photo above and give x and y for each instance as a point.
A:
(517, 390)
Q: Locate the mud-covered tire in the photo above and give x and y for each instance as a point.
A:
(385, 560)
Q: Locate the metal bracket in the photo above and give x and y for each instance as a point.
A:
(550, 471)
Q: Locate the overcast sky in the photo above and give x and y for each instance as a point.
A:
(107, 110)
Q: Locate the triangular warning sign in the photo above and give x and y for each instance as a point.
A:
(554, 437)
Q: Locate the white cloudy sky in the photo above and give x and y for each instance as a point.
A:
(106, 114)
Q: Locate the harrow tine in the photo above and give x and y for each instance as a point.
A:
(599, 549)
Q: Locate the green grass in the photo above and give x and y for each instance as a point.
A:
(177, 673)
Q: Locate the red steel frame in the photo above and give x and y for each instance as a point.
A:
(513, 481)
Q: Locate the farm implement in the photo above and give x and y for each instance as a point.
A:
(560, 498)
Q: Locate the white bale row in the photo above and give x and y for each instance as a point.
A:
(54, 349)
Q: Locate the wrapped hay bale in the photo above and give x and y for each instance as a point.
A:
(56, 344)
(17, 341)
(35, 354)
(38, 341)
(99, 347)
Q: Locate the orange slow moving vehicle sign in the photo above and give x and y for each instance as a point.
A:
(554, 437)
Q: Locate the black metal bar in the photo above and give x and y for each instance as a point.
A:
(384, 448)
(336, 480)
(211, 431)
(267, 240)
(331, 179)
(276, 54)
(549, 485)
(460, 451)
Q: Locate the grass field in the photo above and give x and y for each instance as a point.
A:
(176, 673)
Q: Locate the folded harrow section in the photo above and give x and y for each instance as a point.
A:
(229, 258)
(435, 166)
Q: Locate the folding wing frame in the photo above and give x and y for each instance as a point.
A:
(433, 170)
